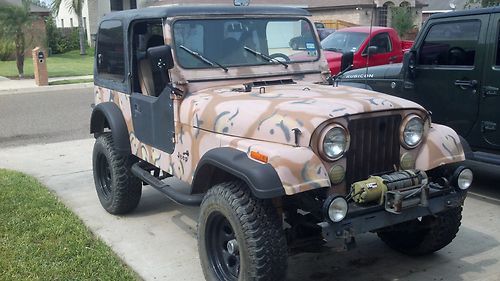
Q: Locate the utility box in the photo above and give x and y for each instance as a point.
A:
(40, 66)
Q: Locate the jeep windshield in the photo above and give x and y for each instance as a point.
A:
(243, 42)
(343, 41)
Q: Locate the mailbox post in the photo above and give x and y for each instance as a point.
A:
(40, 66)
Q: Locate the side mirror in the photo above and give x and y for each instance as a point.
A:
(410, 61)
(346, 60)
(161, 57)
(372, 50)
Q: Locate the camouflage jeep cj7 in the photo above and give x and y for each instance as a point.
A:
(215, 97)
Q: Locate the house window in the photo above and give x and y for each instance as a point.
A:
(71, 22)
(62, 23)
(133, 4)
(116, 5)
(384, 13)
(84, 23)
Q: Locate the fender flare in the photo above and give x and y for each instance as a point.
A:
(261, 178)
(109, 115)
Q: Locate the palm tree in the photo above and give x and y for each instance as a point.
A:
(14, 21)
(77, 7)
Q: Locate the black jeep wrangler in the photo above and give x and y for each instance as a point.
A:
(453, 70)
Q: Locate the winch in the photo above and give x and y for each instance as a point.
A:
(396, 184)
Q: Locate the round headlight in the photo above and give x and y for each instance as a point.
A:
(413, 131)
(336, 208)
(465, 178)
(334, 142)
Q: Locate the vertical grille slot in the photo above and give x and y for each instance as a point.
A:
(374, 147)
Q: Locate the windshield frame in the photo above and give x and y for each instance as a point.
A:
(240, 17)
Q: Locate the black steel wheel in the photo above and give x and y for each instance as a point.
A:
(222, 246)
(119, 191)
(240, 237)
(103, 174)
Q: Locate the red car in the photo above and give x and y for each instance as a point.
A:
(388, 47)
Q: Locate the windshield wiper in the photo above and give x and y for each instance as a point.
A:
(266, 57)
(202, 58)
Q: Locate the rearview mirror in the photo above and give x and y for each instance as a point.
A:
(161, 57)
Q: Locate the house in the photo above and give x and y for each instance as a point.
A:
(36, 35)
(436, 7)
(360, 12)
(92, 12)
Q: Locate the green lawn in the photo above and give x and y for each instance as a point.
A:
(67, 64)
(40, 239)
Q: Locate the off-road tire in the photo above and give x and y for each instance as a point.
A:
(257, 229)
(438, 232)
(123, 191)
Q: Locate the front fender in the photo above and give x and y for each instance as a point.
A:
(108, 115)
(441, 146)
(299, 168)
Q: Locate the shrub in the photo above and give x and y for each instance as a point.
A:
(61, 40)
(7, 50)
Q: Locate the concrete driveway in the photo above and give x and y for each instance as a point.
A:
(158, 240)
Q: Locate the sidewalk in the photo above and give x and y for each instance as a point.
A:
(8, 86)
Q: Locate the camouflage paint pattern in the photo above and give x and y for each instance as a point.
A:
(218, 114)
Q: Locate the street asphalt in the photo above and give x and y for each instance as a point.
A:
(45, 117)
(47, 137)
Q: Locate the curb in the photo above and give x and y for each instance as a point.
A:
(45, 89)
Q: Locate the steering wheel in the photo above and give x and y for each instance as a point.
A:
(457, 56)
(280, 57)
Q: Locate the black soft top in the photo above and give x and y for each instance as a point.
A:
(470, 12)
(198, 10)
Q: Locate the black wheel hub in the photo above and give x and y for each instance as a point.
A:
(104, 176)
(222, 246)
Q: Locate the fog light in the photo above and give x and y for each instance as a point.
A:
(465, 178)
(335, 208)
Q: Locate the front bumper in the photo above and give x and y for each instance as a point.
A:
(365, 219)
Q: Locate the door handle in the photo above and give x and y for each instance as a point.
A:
(466, 83)
(393, 58)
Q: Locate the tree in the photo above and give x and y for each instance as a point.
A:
(14, 21)
(402, 20)
(482, 3)
(77, 7)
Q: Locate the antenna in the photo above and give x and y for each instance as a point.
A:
(369, 44)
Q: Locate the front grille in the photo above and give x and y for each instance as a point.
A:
(374, 147)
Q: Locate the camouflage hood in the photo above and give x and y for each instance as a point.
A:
(271, 113)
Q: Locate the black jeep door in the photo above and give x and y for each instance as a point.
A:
(151, 103)
(489, 116)
(448, 73)
(153, 119)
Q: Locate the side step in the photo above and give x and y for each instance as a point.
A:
(176, 196)
(485, 157)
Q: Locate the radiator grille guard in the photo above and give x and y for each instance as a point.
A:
(374, 147)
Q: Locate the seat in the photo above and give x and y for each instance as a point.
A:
(147, 79)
